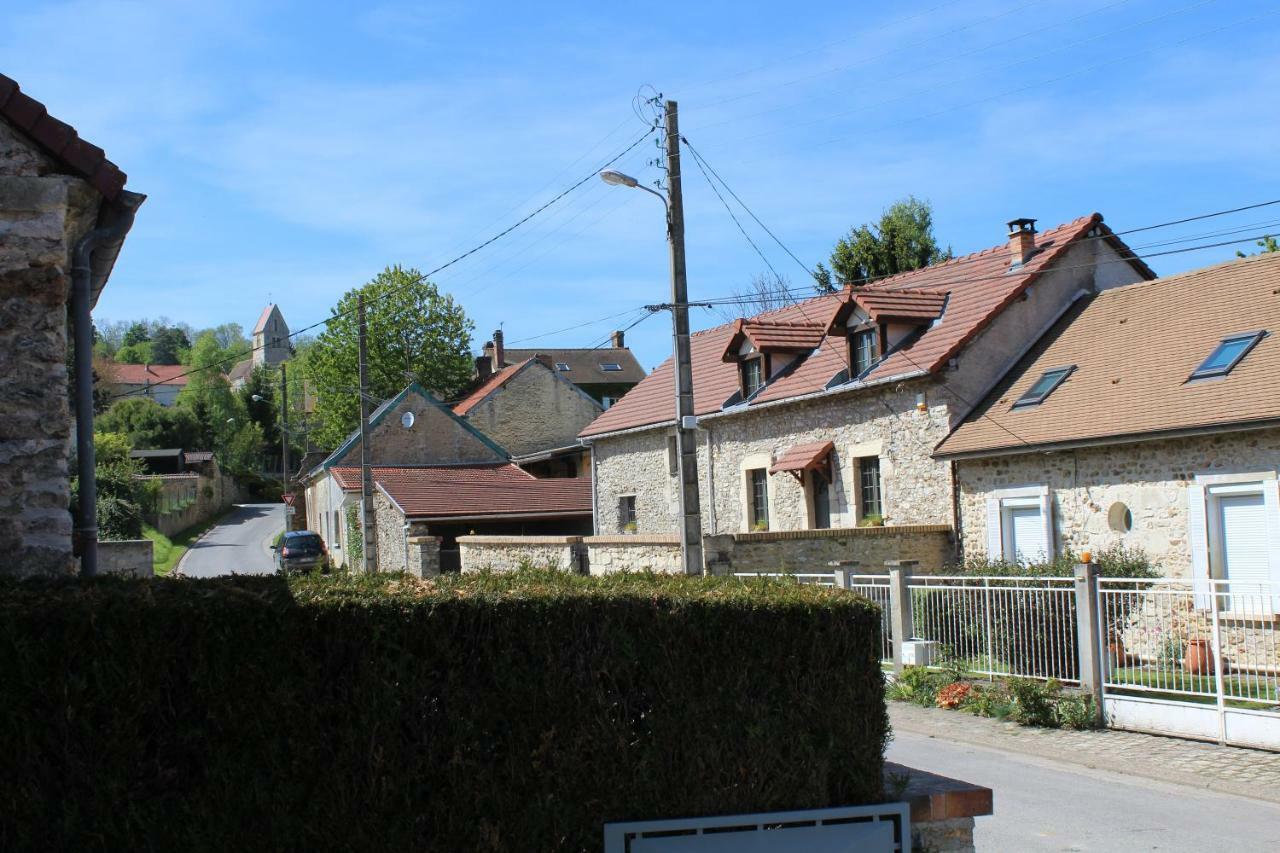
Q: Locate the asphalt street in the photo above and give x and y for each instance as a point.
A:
(240, 544)
(1042, 804)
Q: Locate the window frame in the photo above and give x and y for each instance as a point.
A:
(610, 367)
(876, 352)
(1056, 375)
(758, 361)
(877, 487)
(758, 497)
(628, 513)
(1249, 339)
(563, 367)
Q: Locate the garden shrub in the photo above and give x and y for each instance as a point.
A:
(486, 712)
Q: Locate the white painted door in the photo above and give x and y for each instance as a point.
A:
(1242, 528)
(1026, 534)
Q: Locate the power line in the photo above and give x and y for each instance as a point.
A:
(422, 277)
(698, 161)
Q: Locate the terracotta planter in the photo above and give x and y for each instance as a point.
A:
(1198, 659)
(1116, 649)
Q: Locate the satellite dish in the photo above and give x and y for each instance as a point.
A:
(407, 419)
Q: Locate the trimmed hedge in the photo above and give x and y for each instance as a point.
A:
(488, 712)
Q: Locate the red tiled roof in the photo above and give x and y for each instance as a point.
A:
(493, 383)
(60, 139)
(978, 287)
(898, 304)
(142, 374)
(802, 457)
(473, 490)
(262, 321)
(775, 336)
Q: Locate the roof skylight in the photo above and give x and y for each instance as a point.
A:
(1044, 386)
(562, 366)
(610, 366)
(1227, 354)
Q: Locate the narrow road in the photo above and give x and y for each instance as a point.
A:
(240, 544)
(1042, 804)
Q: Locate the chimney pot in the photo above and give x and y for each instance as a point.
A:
(1022, 241)
(499, 352)
(616, 340)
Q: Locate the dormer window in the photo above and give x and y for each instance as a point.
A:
(864, 350)
(1227, 355)
(752, 372)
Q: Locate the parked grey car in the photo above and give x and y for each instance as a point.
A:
(301, 551)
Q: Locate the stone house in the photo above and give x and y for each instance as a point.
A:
(160, 382)
(825, 414)
(604, 373)
(1148, 416)
(270, 346)
(533, 412)
(435, 477)
(64, 215)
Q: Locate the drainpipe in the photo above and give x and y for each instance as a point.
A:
(86, 523)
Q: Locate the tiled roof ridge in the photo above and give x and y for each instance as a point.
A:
(795, 324)
(60, 139)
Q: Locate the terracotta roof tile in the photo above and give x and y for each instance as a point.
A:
(801, 457)
(1134, 348)
(775, 336)
(484, 389)
(899, 304)
(142, 374)
(473, 490)
(977, 288)
(59, 139)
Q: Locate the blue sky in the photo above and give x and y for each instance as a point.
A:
(291, 150)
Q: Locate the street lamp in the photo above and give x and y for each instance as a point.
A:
(686, 420)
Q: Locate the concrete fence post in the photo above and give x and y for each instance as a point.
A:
(1089, 643)
(900, 572)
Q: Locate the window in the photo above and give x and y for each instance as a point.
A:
(864, 348)
(869, 487)
(821, 501)
(752, 376)
(1044, 386)
(610, 367)
(758, 482)
(1020, 525)
(1120, 518)
(627, 512)
(607, 401)
(1227, 355)
(562, 366)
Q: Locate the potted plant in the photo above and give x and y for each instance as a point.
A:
(760, 526)
(629, 527)
(1198, 658)
(872, 521)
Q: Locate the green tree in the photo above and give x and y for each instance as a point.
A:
(167, 345)
(138, 333)
(139, 353)
(263, 383)
(218, 410)
(1267, 244)
(151, 426)
(901, 241)
(123, 499)
(415, 334)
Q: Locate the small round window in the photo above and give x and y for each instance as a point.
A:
(1120, 518)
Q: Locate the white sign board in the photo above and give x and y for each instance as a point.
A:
(881, 828)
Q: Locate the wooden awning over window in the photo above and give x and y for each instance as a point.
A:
(797, 459)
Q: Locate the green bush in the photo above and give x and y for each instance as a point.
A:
(918, 685)
(480, 712)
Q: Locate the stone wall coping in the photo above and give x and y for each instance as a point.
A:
(841, 532)
(634, 539)
(423, 540)
(935, 798)
(519, 540)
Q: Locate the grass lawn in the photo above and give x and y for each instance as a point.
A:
(167, 552)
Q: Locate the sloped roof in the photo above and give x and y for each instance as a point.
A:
(977, 287)
(488, 386)
(1134, 349)
(266, 315)
(469, 491)
(898, 304)
(775, 336)
(242, 370)
(584, 364)
(60, 140)
(142, 374)
(802, 457)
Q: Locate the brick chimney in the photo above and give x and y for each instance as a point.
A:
(546, 360)
(499, 352)
(616, 340)
(1022, 241)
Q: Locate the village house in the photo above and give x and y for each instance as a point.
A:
(604, 373)
(535, 414)
(1149, 417)
(823, 416)
(64, 215)
(160, 382)
(436, 477)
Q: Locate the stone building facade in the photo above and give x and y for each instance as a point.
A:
(55, 188)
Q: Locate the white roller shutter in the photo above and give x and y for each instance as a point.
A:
(995, 542)
(1198, 538)
(1046, 519)
(1027, 528)
(1245, 557)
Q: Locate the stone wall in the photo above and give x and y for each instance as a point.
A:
(424, 556)
(508, 553)
(127, 557)
(189, 499)
(535, 411)
(635, 553)
(437, 437)
(1150, 478)
(813, 550)
(392, 538)
(42, 215)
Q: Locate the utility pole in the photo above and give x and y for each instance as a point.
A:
(686, 441)
(284, 430)
(366, 473)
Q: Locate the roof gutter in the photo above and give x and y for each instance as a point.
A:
(119, 216)
(1108, 440)
(568, 513)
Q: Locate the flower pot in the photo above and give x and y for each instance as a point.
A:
(1198, 659)
(1115, 648)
